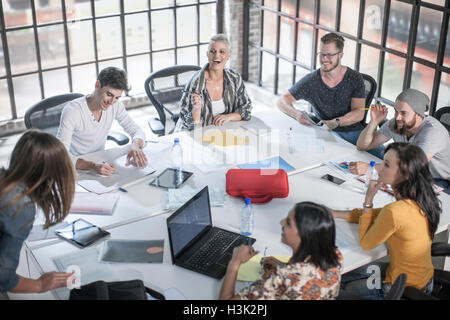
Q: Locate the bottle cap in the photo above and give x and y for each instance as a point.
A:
(372, 163)
(248, 200)
(176, 140)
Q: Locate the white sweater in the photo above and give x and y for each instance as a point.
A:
(81, 134)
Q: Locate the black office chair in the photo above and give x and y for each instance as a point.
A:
(371, 88)
(397, 288)
(46, 114)
(441, 278)
(443, 115)
(165, 89)
(395, 293)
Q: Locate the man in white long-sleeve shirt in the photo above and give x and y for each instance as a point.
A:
(86, 121)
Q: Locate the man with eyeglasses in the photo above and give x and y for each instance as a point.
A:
(336, 93)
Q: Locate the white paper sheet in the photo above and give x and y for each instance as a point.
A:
(85, 261)
(124, 175)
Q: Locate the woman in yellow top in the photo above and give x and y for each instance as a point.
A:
(406, 225)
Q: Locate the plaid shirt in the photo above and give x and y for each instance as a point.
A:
(235, 99)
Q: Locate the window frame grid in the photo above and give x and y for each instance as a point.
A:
(65, 22)
(410, 58)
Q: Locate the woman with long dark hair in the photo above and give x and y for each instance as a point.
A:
(407, 225)
(40, 173)
(313, 271)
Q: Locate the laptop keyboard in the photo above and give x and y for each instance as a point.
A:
(208, 254)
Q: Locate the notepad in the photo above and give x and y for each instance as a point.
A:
(271, 163)
(249, 271)
(91, 203)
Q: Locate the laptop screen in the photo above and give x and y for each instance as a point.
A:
(189, 221)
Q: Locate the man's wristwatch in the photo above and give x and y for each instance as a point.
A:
(338, 121)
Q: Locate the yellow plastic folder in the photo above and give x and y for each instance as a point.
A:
(249, 271)
(223, 139)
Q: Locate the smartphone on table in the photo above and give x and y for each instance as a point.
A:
(333, 179)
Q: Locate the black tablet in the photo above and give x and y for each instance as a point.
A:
(81, 233)
(171, 178)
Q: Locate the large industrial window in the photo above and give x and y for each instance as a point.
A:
(50, 47)
(400, 43)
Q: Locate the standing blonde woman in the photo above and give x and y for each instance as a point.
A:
(40, 174)
(215, 95)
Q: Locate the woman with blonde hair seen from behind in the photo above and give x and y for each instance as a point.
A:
(407, 225)
(215, 94)
(40, 174)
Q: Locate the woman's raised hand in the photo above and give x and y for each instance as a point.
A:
(196, 101)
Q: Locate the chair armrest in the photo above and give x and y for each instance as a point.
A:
(118, 138)
(442, 277)
(412, 293)
(156, 126)
(440, 249)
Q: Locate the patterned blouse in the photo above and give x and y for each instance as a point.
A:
(235, 98)
(296, 281)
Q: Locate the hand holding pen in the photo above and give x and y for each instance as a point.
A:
(378, 112)
(197, 104)
(104, 168)
(196, 100)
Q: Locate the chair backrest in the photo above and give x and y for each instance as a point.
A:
(397, 288)
(443, 115)
(165, 86)
(46, 114)
(371, 88)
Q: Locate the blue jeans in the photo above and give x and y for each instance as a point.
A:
(352, 137)
(356, 283)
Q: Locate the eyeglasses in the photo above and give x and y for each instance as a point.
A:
(327, 55)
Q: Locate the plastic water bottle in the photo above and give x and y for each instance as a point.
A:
(371, 174)
(247, 218)
(177, 159)
(291, 140)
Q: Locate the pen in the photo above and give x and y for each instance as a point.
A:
(371, 108)
(122, 189)
(261, 267)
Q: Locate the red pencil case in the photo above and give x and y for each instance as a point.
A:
(260, 185)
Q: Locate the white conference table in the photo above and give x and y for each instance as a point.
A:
(141, 215)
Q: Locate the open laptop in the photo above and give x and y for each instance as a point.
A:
(195, 244)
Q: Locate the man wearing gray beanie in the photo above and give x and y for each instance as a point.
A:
(410, 124)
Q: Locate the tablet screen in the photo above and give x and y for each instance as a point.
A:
(81, 233)
(171, 178)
